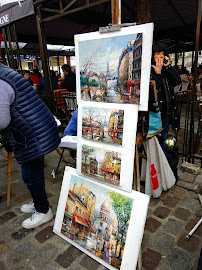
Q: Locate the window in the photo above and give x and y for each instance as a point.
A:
(76, 209)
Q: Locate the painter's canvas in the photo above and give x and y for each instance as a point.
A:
(110, 68)
(97, 219)
(102, 124)
(101, 164)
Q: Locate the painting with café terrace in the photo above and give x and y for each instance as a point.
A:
(97, 219)
(110, 69)
(102, 124)
(104, 165)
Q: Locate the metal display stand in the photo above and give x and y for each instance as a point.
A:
(114, 27)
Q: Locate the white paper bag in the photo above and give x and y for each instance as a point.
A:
(159, 176)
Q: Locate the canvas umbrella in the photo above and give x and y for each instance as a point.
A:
(5, 2)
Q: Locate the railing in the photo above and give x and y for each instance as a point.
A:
(189, 139)
(62, 106)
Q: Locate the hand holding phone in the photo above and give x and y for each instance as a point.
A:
(166, 61)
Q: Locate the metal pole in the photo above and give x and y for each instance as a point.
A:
(191, 139)
(43, 51)
(6, 45)
(18, 50)
(182, 59)
(58, 58)
(10, 50)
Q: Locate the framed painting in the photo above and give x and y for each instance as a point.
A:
(105, 223)
(106, 142)
(115, 67)
(101, 124)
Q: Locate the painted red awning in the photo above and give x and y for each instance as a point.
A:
(79, 220)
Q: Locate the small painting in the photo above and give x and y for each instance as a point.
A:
(97, 219)
(101, 164)
(110, 69)
(102, 124)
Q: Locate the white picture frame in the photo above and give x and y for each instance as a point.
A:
(147, 35)
(134, 232)
(126, 150)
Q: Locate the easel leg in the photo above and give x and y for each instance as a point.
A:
(9, 178)
(60, 154)
(59, 161)
(137, 185)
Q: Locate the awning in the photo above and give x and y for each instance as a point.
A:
(91, 228)
(14, 12)
(79, 220)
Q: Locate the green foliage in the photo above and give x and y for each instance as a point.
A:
(94, 83)
(85, 148)
(102, 85)
(122, 206)
(92, 150)
(83, 80)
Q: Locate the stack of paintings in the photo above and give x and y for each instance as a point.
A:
(106, 142)
(98, 212)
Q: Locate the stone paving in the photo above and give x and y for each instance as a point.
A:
(164, 247)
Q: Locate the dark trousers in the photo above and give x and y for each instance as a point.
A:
(33, 177)
(164, 133)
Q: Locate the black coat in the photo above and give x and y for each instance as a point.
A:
(69, 82)
(168, 105)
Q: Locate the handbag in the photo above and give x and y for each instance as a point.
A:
(155, 124)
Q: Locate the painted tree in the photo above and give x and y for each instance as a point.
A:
(92, 116)
(88, 65)
(86, 150)
(122, 206)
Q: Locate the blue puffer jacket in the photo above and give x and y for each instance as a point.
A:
(33, 130)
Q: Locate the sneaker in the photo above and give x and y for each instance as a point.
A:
(37, 219)
(28, 207)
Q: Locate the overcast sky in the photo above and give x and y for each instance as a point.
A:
(103, 50)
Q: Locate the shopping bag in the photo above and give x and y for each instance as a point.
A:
(159, 176)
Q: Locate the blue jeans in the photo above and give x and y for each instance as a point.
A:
(164, 133)
(33, 177)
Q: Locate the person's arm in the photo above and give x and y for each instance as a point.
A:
(71, 129)
(173, 76)
(7, 97)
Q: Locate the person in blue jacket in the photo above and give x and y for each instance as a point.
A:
(29, 128)
(71, 129)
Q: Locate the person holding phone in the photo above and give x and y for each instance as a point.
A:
(166, 79)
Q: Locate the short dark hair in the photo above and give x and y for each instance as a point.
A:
(66, 67)
(26, 71)
(158, 48)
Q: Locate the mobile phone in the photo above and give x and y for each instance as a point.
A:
(165, 61)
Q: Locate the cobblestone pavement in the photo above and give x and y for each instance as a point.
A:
(164, 247)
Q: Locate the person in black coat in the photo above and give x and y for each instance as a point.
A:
(166, 79)
(69, 82)
(41, 89)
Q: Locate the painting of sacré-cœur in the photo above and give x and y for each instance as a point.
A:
(101, 164)
(110, 69)
(97, 219)
(102, 124)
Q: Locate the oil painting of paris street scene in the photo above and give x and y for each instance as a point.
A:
(101, 164)
(102, 124)
(97, 219)
(110, 69)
